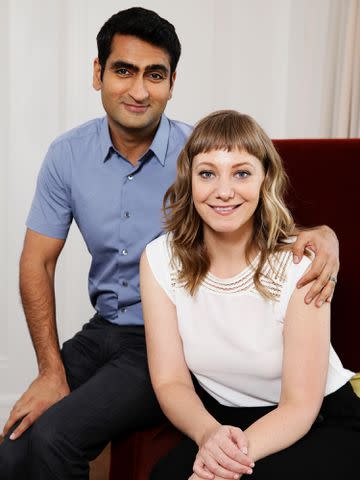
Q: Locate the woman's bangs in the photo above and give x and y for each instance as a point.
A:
(228, 133)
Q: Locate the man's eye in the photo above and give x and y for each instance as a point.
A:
(123, 71)
(206, 174)
(156, 76)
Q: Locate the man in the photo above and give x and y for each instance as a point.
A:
(110, 175)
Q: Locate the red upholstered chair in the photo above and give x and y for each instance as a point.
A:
(325, 189)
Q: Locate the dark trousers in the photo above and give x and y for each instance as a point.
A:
(329, 451)
(111, 395)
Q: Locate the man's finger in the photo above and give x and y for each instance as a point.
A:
(24, 425)
(16, 414)
(326, 294)
(314, 272)
(299, 246)
(317, 286)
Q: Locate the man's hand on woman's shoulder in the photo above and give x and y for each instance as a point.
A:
(325, 267)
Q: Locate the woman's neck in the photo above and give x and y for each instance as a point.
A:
(227, 251)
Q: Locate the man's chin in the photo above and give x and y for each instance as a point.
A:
(137, 122)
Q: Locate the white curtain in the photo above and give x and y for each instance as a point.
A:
(266, 58)
(346, 113)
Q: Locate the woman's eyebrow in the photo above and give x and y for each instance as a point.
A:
(213, 164)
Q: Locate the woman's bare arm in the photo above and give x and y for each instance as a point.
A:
(305, 365)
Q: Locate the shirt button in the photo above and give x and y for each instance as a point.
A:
(127, 214)
(124, 252)
(130, 177)
(124, 283)
(122, 309)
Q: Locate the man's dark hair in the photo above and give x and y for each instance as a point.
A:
(144, 24)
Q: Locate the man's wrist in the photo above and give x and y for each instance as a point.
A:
(53, 369)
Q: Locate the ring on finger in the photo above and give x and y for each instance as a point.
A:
(333, 279)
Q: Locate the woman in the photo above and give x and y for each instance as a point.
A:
(220, 301)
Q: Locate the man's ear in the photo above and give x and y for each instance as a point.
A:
(97, 83)
(173, 78)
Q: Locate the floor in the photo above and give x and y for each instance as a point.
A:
(100, 467)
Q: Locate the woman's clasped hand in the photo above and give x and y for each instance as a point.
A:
(223, 452)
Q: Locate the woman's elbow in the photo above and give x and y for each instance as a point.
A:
(305, 413)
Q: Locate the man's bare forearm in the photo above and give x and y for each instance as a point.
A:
(38, 299)
(37, 270)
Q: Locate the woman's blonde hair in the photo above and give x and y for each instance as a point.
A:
(273, 224)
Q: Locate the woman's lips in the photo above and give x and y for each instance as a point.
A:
(224, 210)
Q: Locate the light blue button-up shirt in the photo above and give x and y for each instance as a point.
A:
(117, 206)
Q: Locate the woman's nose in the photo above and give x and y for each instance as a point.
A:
(225, 191)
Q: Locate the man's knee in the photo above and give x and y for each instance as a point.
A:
(13, 457)
(47, 436)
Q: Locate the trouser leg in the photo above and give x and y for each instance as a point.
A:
(13, 456)
(82, 359)
(115, 400)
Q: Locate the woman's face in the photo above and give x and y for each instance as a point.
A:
(225, 189)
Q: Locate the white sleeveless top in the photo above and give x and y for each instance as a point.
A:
(232, 336)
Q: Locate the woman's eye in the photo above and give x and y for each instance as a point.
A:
(206, 174)
(242, 174)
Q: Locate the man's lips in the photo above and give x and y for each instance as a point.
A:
(135, 108)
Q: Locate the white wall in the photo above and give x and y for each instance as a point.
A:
(269, 58)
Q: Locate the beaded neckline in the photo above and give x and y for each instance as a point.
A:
(273, 277)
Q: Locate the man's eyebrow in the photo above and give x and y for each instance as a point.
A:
(130, 66)
(121, 64)
(157, 66)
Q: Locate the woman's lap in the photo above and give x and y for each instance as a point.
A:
(324, 453)
(330, 450)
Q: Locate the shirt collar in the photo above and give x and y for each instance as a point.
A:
(105, 140)
(158, 145)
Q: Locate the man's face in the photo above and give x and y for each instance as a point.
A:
(135, 87)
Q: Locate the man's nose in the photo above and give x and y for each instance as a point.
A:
(138, 90)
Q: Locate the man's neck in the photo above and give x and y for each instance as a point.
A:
(131, 143)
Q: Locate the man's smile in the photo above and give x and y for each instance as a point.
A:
(135, 108)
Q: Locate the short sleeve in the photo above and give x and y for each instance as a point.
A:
(294, 272)
(158, 255)
(51, 212)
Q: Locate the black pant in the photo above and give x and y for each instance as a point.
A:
(329, 451)
(111, 395)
